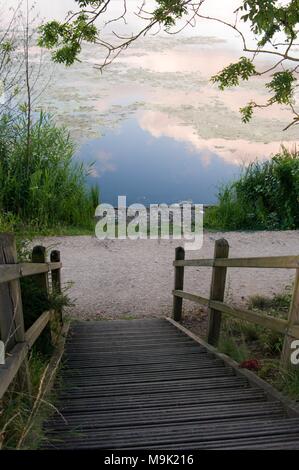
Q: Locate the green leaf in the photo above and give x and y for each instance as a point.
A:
(247, 112)
(232, 74)
(282, 84)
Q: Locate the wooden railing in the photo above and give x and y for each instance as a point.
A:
(289, 328)
(16, 340)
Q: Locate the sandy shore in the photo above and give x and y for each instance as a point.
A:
(124, 279)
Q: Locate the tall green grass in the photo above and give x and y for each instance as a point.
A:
(42, 186)
(265, 197)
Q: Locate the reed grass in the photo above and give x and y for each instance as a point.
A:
(47, 186)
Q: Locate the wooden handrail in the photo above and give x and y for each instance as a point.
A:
(289, 328)
(37, 328)
(279, 262)
(18, 354)
(12, 366)
(11, 272)
(17, 340)
(192, 297)
(276, 324)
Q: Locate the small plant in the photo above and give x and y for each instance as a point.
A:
(235, 349)
(232, 340)
(287, 381)
(257, 339)
(260, 302)
(16, 414)
(279, 304)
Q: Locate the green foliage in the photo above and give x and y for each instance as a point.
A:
(287, 381)
(270, 21)
(46, 187)
(169, 11)
(17, 409)
(35, 302)
(229, 214)
(66, 38)
(6, 47)
(95, 196)
(282, 85)
(233, 348)
(247, 112)
(268, 17)
(8, 222)
(255, 339)
(231, 75)
(278, 303)
(265, 197)
(244, 341)
(277, 306)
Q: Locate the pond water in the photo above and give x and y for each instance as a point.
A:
(149, 170)
(156, 127)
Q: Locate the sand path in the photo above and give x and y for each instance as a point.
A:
(123, 278)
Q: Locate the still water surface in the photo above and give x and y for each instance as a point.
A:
(152, 170)
(155, 126)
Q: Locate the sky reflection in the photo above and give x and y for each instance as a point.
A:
(156, 126)
(149, 169)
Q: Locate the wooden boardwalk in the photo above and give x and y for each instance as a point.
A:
(145, 384)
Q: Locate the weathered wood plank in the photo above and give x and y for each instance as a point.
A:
(13, 364)
(37, 328)
(12, 330)
(291, 407)
(192, 297)
(57, 322)
(261, 319)
(217, 291)
(159, 402)
(293, 322)
(11, 311)
(194, 262)
(269, 262)
(10, 272)
(178, 284)
(18, 354)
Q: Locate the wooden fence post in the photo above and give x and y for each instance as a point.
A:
(178, 284)
(12, 329)
(292, 319)
(217, 291)
(56, 289)
(39, 255)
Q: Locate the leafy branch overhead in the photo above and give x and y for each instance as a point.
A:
(273, 25)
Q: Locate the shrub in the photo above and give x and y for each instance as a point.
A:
(265, 197)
